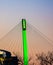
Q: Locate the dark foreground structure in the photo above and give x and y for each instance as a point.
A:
(7, 59)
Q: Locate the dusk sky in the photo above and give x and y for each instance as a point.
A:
(39, 13)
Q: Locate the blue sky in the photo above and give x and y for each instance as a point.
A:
(38, 12)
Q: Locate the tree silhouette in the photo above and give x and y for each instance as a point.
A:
(45, 59)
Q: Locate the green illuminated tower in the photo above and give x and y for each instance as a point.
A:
(25, 45)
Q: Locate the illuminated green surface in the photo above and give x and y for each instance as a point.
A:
(25, 45)
(24, 25)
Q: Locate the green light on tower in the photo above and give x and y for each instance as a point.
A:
(25, 45)
(23, 24)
